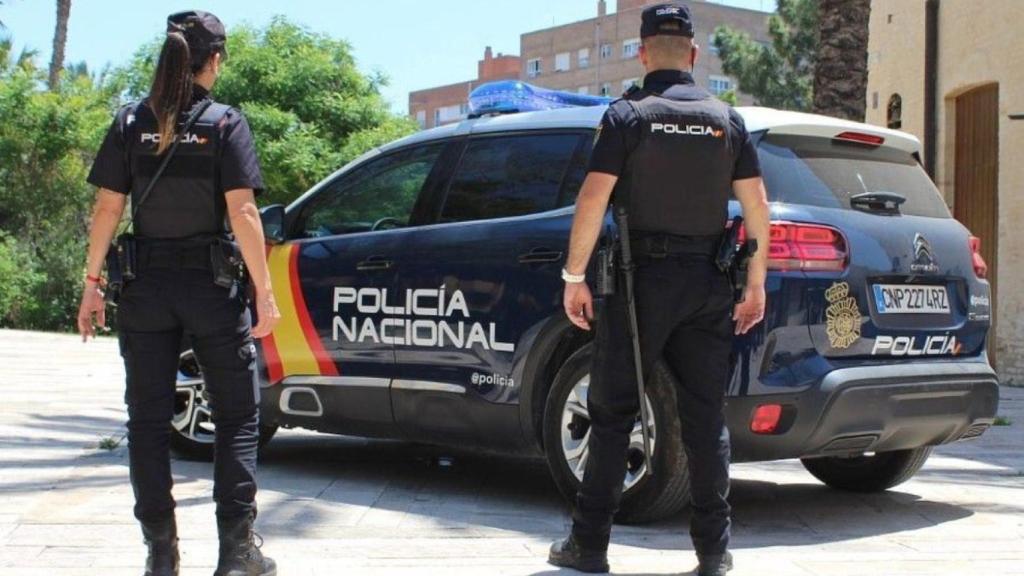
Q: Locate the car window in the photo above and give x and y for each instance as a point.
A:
(822, 172)
(378, 195)
(505, 176)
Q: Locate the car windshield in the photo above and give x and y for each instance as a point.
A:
(824, 172)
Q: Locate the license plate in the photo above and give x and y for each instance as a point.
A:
(904, 299)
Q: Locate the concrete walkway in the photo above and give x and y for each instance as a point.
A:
(332, 506)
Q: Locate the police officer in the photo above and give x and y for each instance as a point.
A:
(211, 179)
(671, 153)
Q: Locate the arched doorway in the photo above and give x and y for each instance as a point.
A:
(976, 176)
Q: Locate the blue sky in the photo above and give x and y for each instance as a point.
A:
(416, 44)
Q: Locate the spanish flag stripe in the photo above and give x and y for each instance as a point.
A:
(274, 369)
(295, 354)
(316, 346)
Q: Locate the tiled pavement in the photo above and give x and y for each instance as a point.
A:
(334, 506)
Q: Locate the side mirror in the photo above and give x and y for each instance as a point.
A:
(273, 223)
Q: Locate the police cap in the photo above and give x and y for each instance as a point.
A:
(203, 31)
(655, 16)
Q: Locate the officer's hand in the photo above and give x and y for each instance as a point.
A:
(269, 316)
(751, 311)
(579, 304)
(92, 312)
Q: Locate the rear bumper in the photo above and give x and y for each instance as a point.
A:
(871, 409)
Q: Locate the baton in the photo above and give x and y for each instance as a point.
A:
(627, 268)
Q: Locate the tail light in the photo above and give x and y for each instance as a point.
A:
(980, 267)
(809, 247)
(860, 138)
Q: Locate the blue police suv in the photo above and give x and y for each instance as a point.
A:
(421, 298)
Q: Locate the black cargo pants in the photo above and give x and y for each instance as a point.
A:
(175, 294)
(684, 307)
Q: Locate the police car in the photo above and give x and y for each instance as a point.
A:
(421, 300)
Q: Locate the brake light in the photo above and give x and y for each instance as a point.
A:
(980, 267)
(809, 247)
(766, 419)
(860, 138)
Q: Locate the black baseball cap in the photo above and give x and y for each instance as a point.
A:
(655, 16)
(203, 31)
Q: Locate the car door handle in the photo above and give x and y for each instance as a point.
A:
(540, 256)
(374, 263)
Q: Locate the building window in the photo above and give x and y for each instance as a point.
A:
(629, 83)
(711, 44)
(631, 48)
(533, 67)
(583, 90)
(606, 89)
(583, 58)
(421, 118)
(464, 109)
(448, 114)
(894, 112)
(562, 62)
(719, 85)
(606, 51)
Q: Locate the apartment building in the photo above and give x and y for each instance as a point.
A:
(446, 104)
(600, 55)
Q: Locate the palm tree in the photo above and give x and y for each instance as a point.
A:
(841, 73)
(60, 40)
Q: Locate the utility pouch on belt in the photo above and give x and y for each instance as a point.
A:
(226, 262)
(122, 265)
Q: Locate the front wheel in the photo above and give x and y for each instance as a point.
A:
(874, 473)
(192, 428)
(645, 498)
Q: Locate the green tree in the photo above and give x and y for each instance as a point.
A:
(310, 108)
(779, 74)
(46, 144)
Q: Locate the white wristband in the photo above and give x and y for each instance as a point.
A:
(573, 278)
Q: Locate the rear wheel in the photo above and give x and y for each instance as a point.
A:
(868, 473)
(192, 428)
(646, 498)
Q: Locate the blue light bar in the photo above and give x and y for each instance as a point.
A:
(508, 96)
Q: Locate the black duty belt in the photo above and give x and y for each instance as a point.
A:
(189, 255)
(665, 245)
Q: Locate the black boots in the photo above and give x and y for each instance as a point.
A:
(568, 554)
(162, 540)
(714, 565)
(239, 554)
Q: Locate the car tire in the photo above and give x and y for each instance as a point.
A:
(647, 498)
(192, 432)
(868, 473)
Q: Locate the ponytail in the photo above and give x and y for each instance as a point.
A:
(171, 92)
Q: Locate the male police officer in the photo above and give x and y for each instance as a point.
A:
(671, 153)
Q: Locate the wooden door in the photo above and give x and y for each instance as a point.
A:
(976, 192)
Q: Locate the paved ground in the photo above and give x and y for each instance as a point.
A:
(347, 506)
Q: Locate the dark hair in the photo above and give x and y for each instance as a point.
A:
(171, 91)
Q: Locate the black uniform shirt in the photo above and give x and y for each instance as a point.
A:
(620, 131)
(239, 167)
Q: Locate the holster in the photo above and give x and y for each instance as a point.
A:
(604, 279)
(227, 263)
(122, 264)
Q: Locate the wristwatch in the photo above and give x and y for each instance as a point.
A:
(573, 278)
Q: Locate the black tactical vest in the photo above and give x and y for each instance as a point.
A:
(678, 179)
(186, 201)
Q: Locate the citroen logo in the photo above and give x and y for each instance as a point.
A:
(924, 260)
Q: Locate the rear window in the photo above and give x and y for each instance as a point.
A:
(822, 172)
(504, 176)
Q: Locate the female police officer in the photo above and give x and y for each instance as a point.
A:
(179, 216)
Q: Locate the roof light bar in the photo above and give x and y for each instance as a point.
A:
(510, 96)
